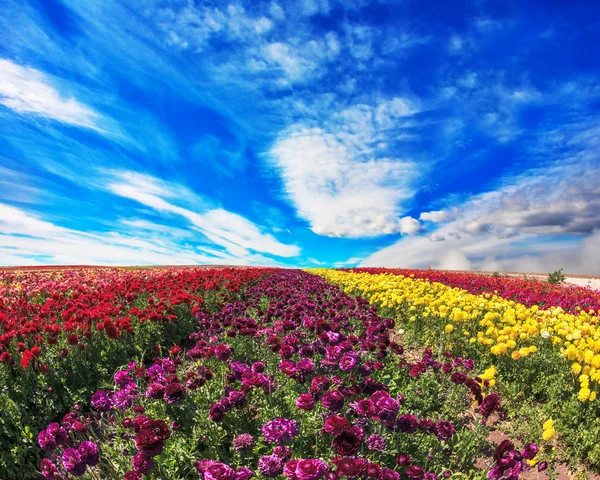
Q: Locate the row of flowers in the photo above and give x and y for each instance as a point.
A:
(571, 299)
(65, 332)
(547, 361)
(297, 380)
(485, 323)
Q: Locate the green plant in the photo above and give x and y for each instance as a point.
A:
(556, 277)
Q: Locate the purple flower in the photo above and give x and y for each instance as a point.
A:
(530, 451)
(46, 441)
(59, 433)
(48, 469)
(257, 367)
(376, 442)
(336, 424)
(155, 390)
(333, 400)
(306, 365)
(414, 471)
(88, 451)
(349, 361)
(387, 408)
(282, 451)
(218, 471)
(101, 402)
(280, 430)
(223, 352)
(389, 474)
(122, 379)
(142, 463)
(444, 430)
(489, 405)
(305, 402)
(217, 412)
(289, 469)
(73, 463)
(348, 442)
(174, 392)
(311, 469)
(270, 465)
(123, 399)
(243, 473)
(243, 441)
(407, 423)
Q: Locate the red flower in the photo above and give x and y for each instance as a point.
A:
(5, 357)
(73, 339)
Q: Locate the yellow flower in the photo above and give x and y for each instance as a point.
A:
(515, 355)
(576, 367)
(584, 394)
(449, 328)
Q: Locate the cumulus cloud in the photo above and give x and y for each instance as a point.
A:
(28, 91)
(435, 216)
(409, 225)
(339, 176)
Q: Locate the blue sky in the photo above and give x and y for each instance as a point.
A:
(304, 133)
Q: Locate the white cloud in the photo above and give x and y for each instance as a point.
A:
(339, 177)
(436, 237)
(235, 233)
(540, 220)
(435, 216)
(409, 225)
(28, 240)
(27, 91)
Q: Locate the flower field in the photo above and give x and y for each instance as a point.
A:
(64, 332)
(529, 293)
(545, 361)
(281, 375)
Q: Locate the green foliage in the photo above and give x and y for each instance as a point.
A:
(556, 277)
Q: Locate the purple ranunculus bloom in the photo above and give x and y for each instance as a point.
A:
(407, 423)
(243, 473)
(142, 463)
(156, 390)
(349, 361)
(280, 430)
(218, 471)
(333, 400)
(73, 463)
(101, 402)
(122, 379)
(270, 465)
(289, 469)
(46, 441)
(306, 365)
(217, 412)
(530, 451)
(123, 399)
(376, 442)
(305, 402)
(387, 408)
(311, 469)
(244, 441)
(174, 392)
(444, 430)
(88, 451)
(48, 469)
